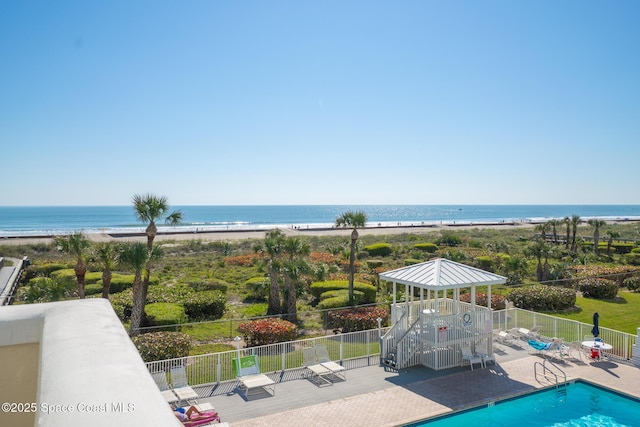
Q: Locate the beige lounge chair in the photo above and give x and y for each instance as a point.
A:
(337, 370)
(318, 372)
(180, 385)
(248, 373)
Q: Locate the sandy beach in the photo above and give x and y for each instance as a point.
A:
(236, 235)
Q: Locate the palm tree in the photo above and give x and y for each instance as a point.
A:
(137, 256)
(597, 223)
(107, 254)
(76, 244)
(611, 235)
(575, 221)
(355, 220)
(272, 246)
(293, 267)
(567, 222)
(543, 227)
(554, 223)
(539, 250)
(150, 208)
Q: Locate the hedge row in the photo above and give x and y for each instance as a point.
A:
(598, 288)
(369, 291)
(338, 298)
(426, 247)
(543, 298)
(164, 313)
(162, 345)
(379, 249)
(498, 302)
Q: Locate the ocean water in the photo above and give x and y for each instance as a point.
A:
(56, 220)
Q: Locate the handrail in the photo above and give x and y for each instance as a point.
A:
(545, 369)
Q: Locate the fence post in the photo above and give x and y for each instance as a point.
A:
(219, 373)
(341, 342)
(283, 356)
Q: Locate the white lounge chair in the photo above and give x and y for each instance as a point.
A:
(160, 378)
(467, 354)
(248, 372)
(337, 370)
(318, 373)
(180, 385)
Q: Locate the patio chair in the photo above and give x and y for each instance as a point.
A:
(248, 373)
(467, 354)
(180, 385)
(160, 379)
(318, 372)
(209, 415)
(337, 370)
(573, 347)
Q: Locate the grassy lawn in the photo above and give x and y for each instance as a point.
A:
(621, 314)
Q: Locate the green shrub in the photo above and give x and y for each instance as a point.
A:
(63, 272)
(42, 270)
(598, 288)
(258, 288)
(498, 302)
(162, 345)
(46, 289)
(486, 263)
(543, 298)
(426, 247)
(411, 261)
(369, 291)
(206, 305)
(374, 263)
(632, 258)
(93, 289)
(210, 285)
(120, 282)
(338, 298)
(632, 283)
(449, 239)
(358, 318)
(379, 249)
(623, 248)
(635, 251)
(164, 313)
(267, 331)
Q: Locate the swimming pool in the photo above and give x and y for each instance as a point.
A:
(583, 404)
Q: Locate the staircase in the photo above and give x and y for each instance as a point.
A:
(402, 352)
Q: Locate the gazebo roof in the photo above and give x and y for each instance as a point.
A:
(441, 274)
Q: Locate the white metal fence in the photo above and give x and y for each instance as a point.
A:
(354, 349)
(568, 330)
(357, 349)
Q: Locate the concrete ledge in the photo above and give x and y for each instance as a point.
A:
(90, 373)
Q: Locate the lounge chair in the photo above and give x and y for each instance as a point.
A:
(318, 372)
(180, 385)
(467, 354)
(160, 378)
(337, 370)
(248, 373)
(209, 415)
(545, 348)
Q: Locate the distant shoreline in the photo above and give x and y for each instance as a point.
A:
(255, 233)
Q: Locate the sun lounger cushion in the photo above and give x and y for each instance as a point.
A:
(540, 345)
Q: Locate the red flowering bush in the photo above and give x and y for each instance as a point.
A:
(322, 257)
(498, 302)
(267, 331)
(242, 260)
(358, 318)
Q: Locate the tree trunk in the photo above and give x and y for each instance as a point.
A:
(539, 271)
(596, 241)
(292, 310)
(137, 308)
(573, 240)
(274, 292)
(566, 243)
(106, 282)
(352, 265)
(81, 271)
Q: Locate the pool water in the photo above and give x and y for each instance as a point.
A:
(582, 405)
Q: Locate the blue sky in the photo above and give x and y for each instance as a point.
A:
(320, 102)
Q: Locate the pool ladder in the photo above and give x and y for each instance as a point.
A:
(550, 375)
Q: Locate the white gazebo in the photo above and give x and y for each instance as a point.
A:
(431, 329)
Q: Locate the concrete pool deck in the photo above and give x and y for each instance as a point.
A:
(372, 396)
